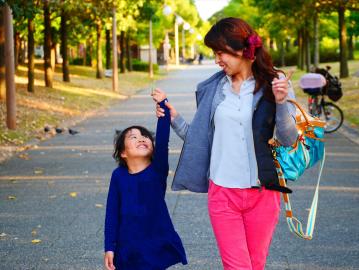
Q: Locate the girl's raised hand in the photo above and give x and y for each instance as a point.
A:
(109, 255)
(158, 95)
(280, 88)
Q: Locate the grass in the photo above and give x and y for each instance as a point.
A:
(349, 103)
(65, 101)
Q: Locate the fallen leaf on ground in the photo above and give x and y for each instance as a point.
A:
(23, 148)
(99, 205)
(38, 171)
(34, 232)
(24, 156)
(73, 194)
(3, 234)
(11, 197)
(52, 197)
(36, 241)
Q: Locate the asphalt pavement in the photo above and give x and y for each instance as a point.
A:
(53, 197)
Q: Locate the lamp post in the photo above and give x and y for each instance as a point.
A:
(167, 10)
(178, 21)
(166, 48)
(150, 51)
(185, 27)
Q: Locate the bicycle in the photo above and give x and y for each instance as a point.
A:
(317, 86)
(327, 111)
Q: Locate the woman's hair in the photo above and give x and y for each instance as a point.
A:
(233, 34)
(119, 143)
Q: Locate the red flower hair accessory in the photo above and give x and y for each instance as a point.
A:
(253, 41)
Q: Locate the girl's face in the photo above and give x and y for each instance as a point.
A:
(137, 145)
(230, 63)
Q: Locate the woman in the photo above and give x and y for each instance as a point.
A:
(226, 149)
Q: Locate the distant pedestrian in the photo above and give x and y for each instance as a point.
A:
(200, 58)
(139, 234)
(226, 151)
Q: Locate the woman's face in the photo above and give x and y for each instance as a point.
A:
(229, 63)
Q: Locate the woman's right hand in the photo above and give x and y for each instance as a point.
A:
(109, 255)
(161, 112)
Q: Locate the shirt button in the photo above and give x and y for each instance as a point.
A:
(240, 124)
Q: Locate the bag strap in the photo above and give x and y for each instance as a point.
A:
(295, 226)
(305, 115)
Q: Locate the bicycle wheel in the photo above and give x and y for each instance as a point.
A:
(332, 115)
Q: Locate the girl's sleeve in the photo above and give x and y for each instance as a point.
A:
(112, 214)
(160, 158)
(286, 131)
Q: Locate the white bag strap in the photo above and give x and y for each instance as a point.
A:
(295, 226)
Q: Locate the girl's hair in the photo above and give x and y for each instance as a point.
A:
(119, 143)
(233, 34)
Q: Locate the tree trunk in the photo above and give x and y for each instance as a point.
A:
(10, 70)
(30, 55)
(122, 52)
(84, 55)
(90, 51)
(108, 48)
(23, 49)
(17, 48)
(282, 53)
(307, 50)
(65, 60)
(350, 48)
(47, 46)
(300, 49)
(114, 51)
(2, 56)
(344, 70)
(99, 68)
(316, 40)
(53, 57)
(128, 52)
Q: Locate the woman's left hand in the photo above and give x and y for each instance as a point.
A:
(280, 89)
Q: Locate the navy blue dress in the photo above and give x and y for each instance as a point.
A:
(138, 227)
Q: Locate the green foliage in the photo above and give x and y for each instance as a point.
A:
(143, 66)
(353, 24)
(290, 57)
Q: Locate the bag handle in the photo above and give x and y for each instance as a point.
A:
(306, 116)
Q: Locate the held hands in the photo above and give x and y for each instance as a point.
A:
(158, 95)
(109, 255)
(280, 88)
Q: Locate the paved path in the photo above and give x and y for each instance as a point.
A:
(59, 196)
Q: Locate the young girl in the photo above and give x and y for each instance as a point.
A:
(139, 234)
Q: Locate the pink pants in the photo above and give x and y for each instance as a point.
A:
(243, 222)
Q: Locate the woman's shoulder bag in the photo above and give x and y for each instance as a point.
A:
(292, 161)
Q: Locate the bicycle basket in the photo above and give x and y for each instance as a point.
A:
(312, 83)
(334, 89)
